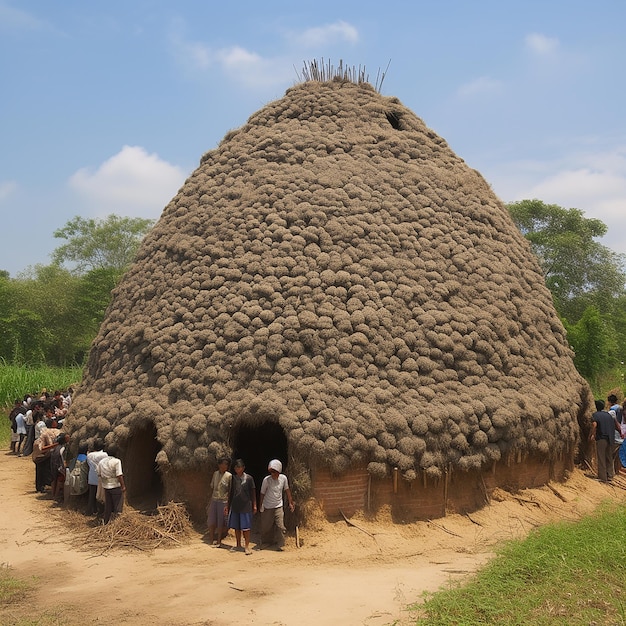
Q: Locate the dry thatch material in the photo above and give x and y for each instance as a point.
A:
(324, 71)
(335, 267)
(169, 526)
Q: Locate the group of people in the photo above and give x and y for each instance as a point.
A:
(36, 431)
(28, 417)
(608, 430)
(233, 504)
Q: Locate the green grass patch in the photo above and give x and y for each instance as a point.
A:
(11, 589)
(16, 381)
(563, 574)
(16, 602)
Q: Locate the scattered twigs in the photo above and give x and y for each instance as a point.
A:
(472, 520)
(526, 501)
(443, 528)
(324, 71)
(356, 526)
(132, 530)
(557, 493)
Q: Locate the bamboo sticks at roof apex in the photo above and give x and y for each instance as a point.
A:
(325, 71)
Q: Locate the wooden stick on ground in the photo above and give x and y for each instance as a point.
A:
(443, 528)
(355, 525)
(557, 493)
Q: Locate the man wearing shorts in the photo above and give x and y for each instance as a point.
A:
(241, 505)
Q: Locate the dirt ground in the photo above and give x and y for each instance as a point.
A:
(364, 574)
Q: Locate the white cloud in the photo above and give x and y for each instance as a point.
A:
(192, 56)
(582, 187)
(16, 19)
(480, 87)
(7, 188)
(541, 45)
(130, 183)
(248, 67)
(236, 63)
(326, 35)
(238, 58)
(593, 181)
(196, 54)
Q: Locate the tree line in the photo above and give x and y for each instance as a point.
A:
(50, 313)
(587, 282)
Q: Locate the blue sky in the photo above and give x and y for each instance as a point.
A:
(108, 107)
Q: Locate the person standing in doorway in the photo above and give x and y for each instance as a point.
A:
(220, 488)
(110, 473)
(241, 505)
(271, 505)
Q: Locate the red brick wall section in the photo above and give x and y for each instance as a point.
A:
(346, 493)
(461, 492)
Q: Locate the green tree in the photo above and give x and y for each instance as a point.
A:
(591, 341)
(92, 244)
(23, 338)
(49, 293)
(579, 271)
(51, 314)
(92, 298)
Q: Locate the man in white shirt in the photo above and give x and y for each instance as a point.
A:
(271, 505)
(110, 473)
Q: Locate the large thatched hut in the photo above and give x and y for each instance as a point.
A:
(334, 287)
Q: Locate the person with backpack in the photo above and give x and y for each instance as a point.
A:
(76, 483)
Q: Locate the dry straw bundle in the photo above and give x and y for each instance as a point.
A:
(131, 530)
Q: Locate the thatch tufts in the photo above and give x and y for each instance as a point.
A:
(334, 268)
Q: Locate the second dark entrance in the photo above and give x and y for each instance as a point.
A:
(257, 445)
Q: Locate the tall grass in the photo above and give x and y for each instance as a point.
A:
(563, 574)
(16, 381)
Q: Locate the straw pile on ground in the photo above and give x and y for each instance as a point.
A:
(169, 526)
(335, 267)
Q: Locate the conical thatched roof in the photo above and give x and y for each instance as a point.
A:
(334, 266)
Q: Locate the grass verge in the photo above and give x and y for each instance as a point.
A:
(15, 603)
(563, 574)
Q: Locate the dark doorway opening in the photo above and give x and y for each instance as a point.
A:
(144, 485)
(257, 445)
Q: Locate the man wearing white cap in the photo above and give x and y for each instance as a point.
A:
(271, 505)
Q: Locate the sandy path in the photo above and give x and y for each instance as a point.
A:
(340, 575)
